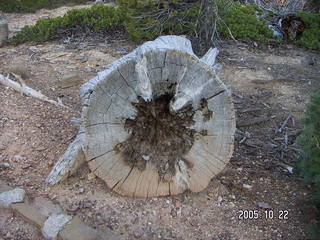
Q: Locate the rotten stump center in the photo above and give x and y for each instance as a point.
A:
(158, 136)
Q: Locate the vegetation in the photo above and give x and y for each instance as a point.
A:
(147, 20)
(33, 5)
(203, 21)
(311, 35)
(95, 18)
(309, 163)
(242, 22)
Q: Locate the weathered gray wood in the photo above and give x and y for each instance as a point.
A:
(165, 65)
(23, 88)
(3, 31)
(69, 162)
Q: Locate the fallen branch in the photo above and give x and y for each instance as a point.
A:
(23, 88)
(284, 124)
(252, 121)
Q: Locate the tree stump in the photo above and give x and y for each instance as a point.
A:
(156, 122)
(3, 31)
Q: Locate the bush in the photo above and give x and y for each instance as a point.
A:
(309, 162)
(243, 23)
(310, 37)
(202, 20)
(94, 19)
(33, 5)
(149, 19)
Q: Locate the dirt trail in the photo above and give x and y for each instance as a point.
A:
(270, 84)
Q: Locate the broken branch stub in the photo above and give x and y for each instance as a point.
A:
(158, 121)
(3, 31)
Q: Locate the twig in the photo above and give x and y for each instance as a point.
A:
(284, 123)
(237, 95)
(286, 138)
(266, 105)
(293, 122)
(252, 121)
(23, 88)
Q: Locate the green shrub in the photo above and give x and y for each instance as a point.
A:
(309, 162)
(149, 19)
(243, 23)
(94, 19)
(146, 22)
(311, 35)
(33, 5)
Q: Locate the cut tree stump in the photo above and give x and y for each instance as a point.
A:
(156, 122)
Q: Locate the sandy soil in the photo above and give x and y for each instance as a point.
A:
(270, 83)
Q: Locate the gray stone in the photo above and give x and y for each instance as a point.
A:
(13, 196)
(264, 205)
(98, 2)
(76, 229)
(54, 224)
(29, 213)
(5, 165)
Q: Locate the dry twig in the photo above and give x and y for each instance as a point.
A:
(23, 88)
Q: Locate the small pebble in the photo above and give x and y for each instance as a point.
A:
(264, 205)
(5, 165)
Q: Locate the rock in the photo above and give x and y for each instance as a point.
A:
(25, 166)
(13, 196)
(2, 147)
(98, 2)
(5, 165)
(54, 224)
(76, 229)
(19, 158)
(29, 213)
(247, 186)
(70, 80)
(264, 205)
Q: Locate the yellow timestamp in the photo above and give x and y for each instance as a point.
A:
(266, 214)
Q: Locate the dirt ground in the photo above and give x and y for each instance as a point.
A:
(271, 84)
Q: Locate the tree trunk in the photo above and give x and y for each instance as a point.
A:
(158, 121)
